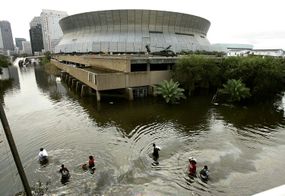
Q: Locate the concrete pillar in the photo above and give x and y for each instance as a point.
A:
(77, 86)
(150, 90)
(83, 90)
(73, 81)
(98, 96)
(62, 75)
(70, 81)
(130, 94)
(67, 78)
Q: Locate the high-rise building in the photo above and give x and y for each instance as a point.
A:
(36, 35)
(18, 42)
(36, 20)
(52, 32)
(27, 49)
(6, 38)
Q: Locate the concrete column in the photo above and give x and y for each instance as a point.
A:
(98, 96)
(150, 90)
(67, 78)
(130, 94)
(83, 90)
(73, 81)
(62, 75)
(70, 81)
(77, 86)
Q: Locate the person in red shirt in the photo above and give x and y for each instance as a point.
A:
(192, 166)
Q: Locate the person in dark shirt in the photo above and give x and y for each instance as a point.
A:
(64, 174)
(204, 173)
(155, 153)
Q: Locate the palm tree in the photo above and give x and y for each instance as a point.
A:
(170, 91)
(234, 90)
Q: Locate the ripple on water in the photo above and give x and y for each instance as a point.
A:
(173, 159)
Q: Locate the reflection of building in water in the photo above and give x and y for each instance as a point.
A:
(10, 80)
(47, 83)
(11, 72)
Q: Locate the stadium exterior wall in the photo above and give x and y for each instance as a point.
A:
(129, 31)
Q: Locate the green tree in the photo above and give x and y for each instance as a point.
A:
(265, 76)
(197, 71)
(4, 61)
(170, 91)
(46, 59)
(234, 91)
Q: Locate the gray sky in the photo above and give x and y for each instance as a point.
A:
(257, 22)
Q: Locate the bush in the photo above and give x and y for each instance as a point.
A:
(234, 91)
(170, 91)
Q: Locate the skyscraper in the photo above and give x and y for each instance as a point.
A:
(19, 42)
(52, 32)
(6, 38)
(36, 35)
(27, 49)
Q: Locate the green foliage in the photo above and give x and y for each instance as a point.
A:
(170, 91)
(4, 61)
(46, 59)
(264, 76)
(196, 71)
(234, 91)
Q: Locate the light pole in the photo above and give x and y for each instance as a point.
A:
(14, 151)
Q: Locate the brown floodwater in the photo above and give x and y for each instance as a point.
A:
(242, 146)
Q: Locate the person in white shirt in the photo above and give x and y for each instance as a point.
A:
(43, 155)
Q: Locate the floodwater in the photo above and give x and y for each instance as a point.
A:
(243, 147)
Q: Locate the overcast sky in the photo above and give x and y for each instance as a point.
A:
(257, 22)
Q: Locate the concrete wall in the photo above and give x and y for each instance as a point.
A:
(109, 81)
(112, 64)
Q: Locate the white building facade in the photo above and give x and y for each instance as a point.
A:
(268, 52)
(51, 30)
(27, 49)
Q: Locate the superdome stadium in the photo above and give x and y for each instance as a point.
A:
(130, 31)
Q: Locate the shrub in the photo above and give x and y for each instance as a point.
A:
(170, 91)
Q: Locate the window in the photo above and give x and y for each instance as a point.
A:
(188, 34)
(138, 67)
(155, 32)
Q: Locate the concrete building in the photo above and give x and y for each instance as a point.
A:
(27, 49)
(238, 52)
(36, 35)
(226, 47)
(6, 37)
(268, 52)
(129, 31)
(51, 30)
(133, 76)
(18, 42)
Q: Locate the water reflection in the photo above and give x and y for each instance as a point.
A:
(9, 79)
(48, 84)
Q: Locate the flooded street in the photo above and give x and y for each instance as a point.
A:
(243, 147)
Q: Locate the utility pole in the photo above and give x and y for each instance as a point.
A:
(14, 151)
